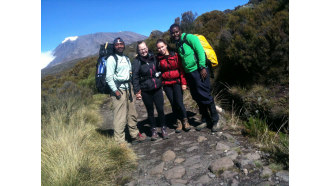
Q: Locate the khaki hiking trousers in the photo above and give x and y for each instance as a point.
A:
(124, 113)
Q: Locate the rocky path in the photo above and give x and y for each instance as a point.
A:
(198, 157)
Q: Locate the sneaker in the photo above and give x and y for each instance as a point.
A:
(216, 126)
(164, 133)
(202, 125)
(179, 128)
(187, 127)
(139, 138)
(154, 134)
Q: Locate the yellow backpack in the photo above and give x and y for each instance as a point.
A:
(210, 53)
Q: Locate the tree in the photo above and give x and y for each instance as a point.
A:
(187, 21)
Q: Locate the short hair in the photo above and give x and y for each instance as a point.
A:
(137, 46)
(174, 25)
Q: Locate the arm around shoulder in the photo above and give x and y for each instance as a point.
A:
(135, 75)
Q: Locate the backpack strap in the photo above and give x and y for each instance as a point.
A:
(196, 56)
(207, 61)
(116, 59)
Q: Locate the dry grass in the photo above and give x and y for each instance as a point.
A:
(74, 153)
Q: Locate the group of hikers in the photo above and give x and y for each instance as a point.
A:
(150, 74)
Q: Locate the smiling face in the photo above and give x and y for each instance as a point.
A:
(162, 48)
(175, 33)
(143, 49)
(119, 47)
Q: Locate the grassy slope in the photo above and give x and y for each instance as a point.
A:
(72, 151)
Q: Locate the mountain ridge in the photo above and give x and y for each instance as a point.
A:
(88, 45)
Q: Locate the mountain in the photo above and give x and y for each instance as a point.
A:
(82, 46)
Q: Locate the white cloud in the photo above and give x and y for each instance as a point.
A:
(72, 38)
(46, 58)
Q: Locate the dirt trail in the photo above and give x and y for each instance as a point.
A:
(197, 157)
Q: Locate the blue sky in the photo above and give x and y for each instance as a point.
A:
(64, 18)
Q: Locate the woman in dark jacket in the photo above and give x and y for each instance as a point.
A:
(174, 82)
(148, 86)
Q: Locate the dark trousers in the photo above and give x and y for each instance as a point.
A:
(175, 96)
(200, 91)
(151, 97)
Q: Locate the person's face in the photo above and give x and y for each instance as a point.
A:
(175, 33)
(119, 47)
(162, 48)
(143, 49)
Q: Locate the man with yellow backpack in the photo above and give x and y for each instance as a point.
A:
(197, 73)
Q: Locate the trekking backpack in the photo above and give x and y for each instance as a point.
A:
(210, 56)
(101, 70)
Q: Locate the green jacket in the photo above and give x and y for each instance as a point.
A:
(188, 58)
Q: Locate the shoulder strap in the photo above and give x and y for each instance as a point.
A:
(185, 41)
(116, 59)
(127, 59)
(196, 56)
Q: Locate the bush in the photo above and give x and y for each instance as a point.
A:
(271, 103)
(254, 45)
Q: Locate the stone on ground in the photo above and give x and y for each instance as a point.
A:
(175, 173)
(179, 160)
(201, 139)
(221, 164)
(168, 156)
(266, 172)
(283, 175)
(157, 169)
(222, 147)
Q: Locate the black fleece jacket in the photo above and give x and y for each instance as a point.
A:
(144, 71)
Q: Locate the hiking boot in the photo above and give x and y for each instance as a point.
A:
(202, 125)
(187, 127)
(139, 138)
(154, 134)
(216, 126)
(179, 128)
(164, 133)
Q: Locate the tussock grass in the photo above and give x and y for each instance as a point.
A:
(277, 143)
(73, 152)
(188, 100)
(253, 116)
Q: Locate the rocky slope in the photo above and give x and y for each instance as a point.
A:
(197, 157)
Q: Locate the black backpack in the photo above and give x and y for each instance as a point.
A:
(101, 70)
